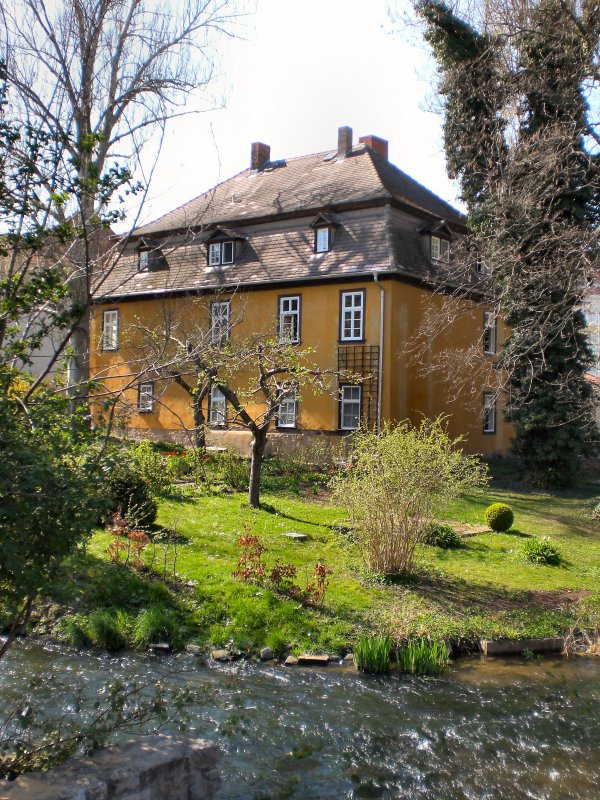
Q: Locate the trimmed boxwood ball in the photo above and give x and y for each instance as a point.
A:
(130, 492)
(499, 517)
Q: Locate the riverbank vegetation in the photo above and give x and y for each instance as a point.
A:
(485, 588)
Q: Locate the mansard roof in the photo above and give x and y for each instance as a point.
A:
(302, 185)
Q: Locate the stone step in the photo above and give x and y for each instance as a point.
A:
(310, 660)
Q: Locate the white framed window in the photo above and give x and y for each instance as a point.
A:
(440, 249)
(289, 319)
(489, 333)
(110, 330)
(145, 397)
(221, 253)
(322, 240)
(489, 412)
(287, 416)
(350, 402)
(352, 316)
(144, 261)
(217, 413)
(219, 322)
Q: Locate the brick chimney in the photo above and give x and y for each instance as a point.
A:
(376, 144)
(260, 155)
(344, 142)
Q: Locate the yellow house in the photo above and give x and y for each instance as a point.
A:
(337, 252)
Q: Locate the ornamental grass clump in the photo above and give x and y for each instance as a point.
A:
(443, 536)
(157, 624)
(397, 481)
(423, 657)
(541, 551)
(372, 654)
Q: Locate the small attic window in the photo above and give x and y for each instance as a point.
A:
(324, 226)
(221, 253)
(143, 260)
(322, 240)
(150, 258)
(440, 249)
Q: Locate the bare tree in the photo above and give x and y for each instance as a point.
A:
(99, 77)
(255, 374)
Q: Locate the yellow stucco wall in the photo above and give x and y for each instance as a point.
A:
(406, 390)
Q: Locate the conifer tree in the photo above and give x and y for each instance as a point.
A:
(518, 136)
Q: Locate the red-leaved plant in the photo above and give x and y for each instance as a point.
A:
(251, 568)
(126, 538)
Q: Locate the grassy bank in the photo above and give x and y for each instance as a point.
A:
(483, 589)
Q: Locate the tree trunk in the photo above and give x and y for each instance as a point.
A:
(259, 442)
(199, 424)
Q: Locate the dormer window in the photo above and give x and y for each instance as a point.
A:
(440, 249)
(221, 253)
(324, 226)
(150, 257)
(143, 260)
(322, 240)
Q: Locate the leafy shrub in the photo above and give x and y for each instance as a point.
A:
(72, 630)
(156, 624)
(423, 657)
(499, 517)
(439, 535)
(108, 629)
(151, 466)
(179, 465)
(130, 493)
(397, 481)
(541, 551)
(235, 471)
(372, 654)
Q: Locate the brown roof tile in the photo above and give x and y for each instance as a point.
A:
(302, 184)
(275, 248)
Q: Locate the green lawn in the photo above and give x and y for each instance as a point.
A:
(483, 589)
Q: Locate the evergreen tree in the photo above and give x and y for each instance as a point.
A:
(517, 135)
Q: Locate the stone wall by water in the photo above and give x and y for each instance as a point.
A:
(146, 768)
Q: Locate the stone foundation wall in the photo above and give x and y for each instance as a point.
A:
(146, 768)
(319, 447)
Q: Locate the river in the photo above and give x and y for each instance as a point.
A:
(489, 728)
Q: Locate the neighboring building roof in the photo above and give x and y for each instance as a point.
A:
(303, 184)
(377, 213)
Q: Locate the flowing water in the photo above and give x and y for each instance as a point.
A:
(488, 729)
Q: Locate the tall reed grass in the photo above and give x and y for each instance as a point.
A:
(423, 657)
(372, 654)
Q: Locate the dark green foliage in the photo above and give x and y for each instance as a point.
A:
(439, 535)
(499, 517)
(372, 654)
(423, 657)
(531, 186)
(130, 492)
(50, 495)
(541, 551)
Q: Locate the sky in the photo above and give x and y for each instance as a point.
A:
(302, 70)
